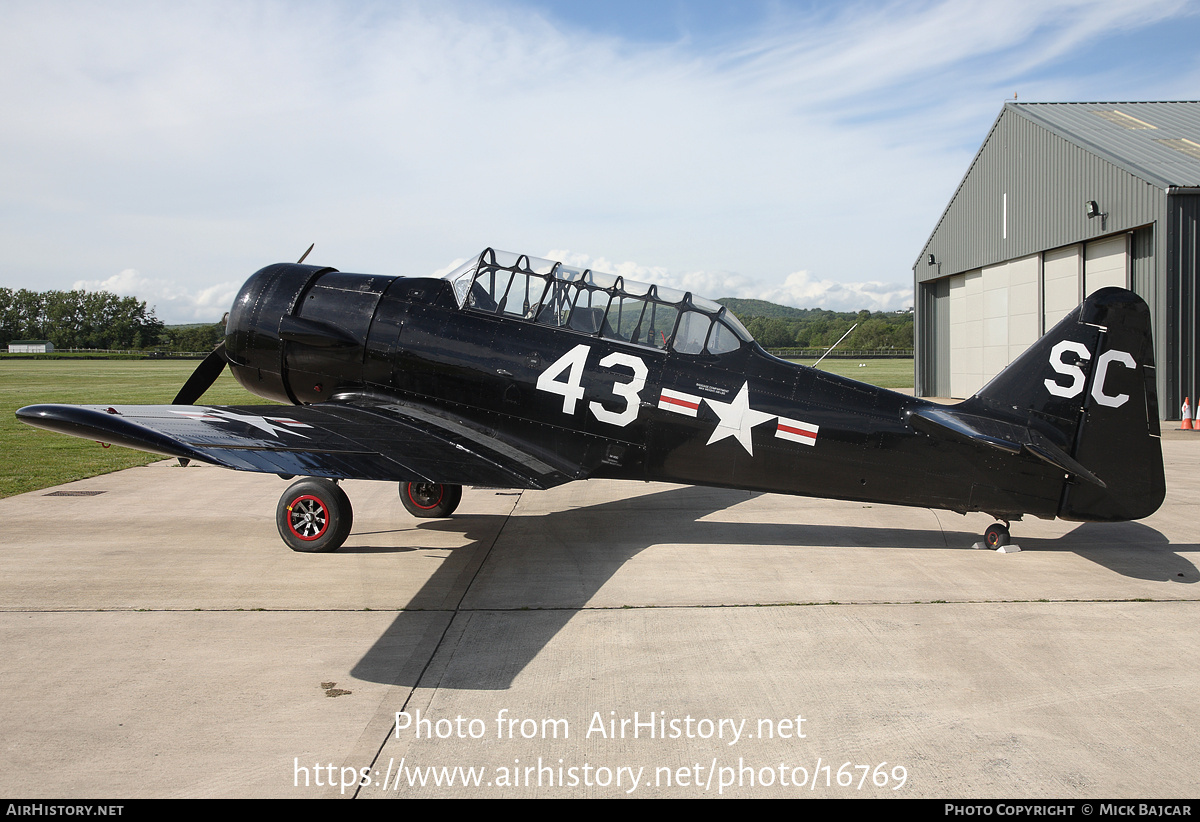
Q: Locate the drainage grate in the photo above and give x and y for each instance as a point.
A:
(72, 493)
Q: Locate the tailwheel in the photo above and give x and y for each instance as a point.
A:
(996, 535)
(430, 500)
(314, 516)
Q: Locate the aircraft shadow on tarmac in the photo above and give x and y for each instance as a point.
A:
(1132, 549)
(518, 593)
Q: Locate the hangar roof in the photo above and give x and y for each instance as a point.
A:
(1158, 142)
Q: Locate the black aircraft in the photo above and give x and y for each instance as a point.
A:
(518, 372)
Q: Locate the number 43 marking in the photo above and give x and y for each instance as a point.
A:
(569, 385)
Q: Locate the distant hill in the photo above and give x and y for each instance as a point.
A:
(762, 308)
(781, 326)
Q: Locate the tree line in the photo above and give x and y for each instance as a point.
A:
(778, 326)
(95, 319)
(100, 319)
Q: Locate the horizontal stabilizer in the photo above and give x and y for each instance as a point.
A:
(1004, 436)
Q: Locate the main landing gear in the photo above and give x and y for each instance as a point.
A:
(429, 500)
(315, 516)
(996, 535)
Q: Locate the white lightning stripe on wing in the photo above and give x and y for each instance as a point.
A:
(797, 431)
(268, 425)
(292, 423)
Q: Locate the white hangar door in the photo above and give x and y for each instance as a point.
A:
(993, 318)
(1074, 272)
(1105, 263)
(998, 311)
(1062, 275)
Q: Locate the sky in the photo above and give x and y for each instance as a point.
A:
(799, 152)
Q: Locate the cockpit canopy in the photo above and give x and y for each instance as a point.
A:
(592, 302)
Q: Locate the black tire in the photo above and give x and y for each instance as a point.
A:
(996, 535)
(428, 500)
(314, 516)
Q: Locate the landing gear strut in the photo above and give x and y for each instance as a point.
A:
(428, 500)
(314, 516)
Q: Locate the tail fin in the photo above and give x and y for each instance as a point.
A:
(1089, 386)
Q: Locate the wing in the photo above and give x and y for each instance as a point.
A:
(378, 439)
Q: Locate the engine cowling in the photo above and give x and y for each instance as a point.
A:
(297, 333)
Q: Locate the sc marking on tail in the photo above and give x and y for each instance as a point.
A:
(1078, 378)
(519, 372)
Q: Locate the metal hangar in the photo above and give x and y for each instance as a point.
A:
(1063, 199)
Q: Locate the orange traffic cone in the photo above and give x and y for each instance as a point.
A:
(1186, 413)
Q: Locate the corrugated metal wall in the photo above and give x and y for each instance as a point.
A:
(1025, 193)
(1179, 369)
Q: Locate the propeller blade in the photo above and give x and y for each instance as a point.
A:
(202, 378)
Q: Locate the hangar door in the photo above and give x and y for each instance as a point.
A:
(998, 311)
(993, 318)
(1076, 271)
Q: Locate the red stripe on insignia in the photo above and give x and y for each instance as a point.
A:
(684, 403)
(800, 432)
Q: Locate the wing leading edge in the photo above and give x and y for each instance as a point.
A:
(383, 440)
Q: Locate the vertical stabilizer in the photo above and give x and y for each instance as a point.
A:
(1089, 386)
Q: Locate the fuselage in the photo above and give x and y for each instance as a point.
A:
(620, 398)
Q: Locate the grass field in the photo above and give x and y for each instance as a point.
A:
(31, 458)
(892, 374)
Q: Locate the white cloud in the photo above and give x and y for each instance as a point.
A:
(197, 142)
(799, 289)
(171, 303)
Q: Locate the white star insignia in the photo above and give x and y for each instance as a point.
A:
(737, 418)
(269, 425)
(261, 423)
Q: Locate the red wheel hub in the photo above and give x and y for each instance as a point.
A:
(424, 495)
(307, 517)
